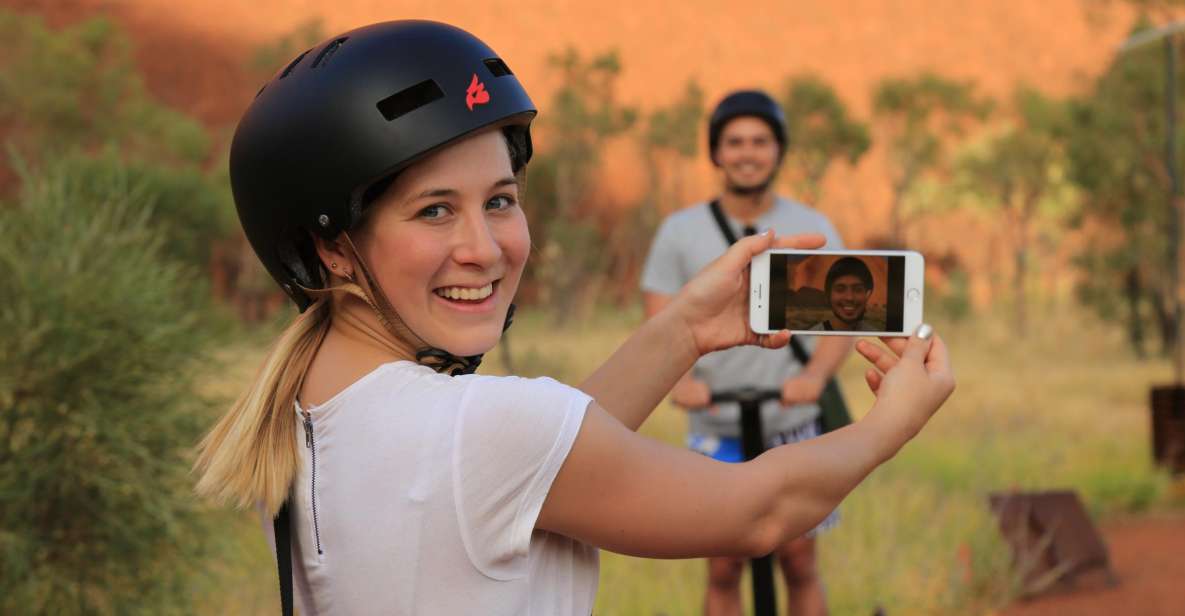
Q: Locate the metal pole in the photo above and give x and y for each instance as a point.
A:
(1175, 202)
(761, 568)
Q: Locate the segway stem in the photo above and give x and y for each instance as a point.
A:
(753, 444)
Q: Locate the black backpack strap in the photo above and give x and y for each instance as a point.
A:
(722, 222)
(799, 351)
(796, 347)
(283, 530)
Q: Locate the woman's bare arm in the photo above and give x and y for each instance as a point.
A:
(710, 313)
(623, 492)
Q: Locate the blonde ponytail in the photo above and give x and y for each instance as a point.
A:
(251, 456)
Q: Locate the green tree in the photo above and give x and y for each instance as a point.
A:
(821, 131)
(919, 117)
(669, 142)
(1116, 149)
(584, 115)
(269, 58)
(79, 88)
(1019, 174)
(100, 342)
(75, 96)
(673, 133)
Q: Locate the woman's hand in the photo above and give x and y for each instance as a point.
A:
(911, 378)
(714, 306)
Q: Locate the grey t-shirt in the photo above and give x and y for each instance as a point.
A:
(686, 242)
(825, 325)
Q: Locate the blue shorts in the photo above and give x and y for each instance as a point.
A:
(728, 449)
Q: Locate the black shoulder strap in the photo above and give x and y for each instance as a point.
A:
(282, 528)
(799, 351)
(722, 222)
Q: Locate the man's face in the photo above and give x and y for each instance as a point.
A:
(849, 298)
(747, 154)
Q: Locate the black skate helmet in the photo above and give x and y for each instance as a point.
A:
(349, 113)
(746, 103)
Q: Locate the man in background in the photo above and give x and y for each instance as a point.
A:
(746, 141)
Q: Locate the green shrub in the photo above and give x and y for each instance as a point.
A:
(99, 345)
(188, 210)
(79, 87)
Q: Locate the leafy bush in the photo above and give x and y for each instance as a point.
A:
(186, 208)
(97, 412)
(79, 87)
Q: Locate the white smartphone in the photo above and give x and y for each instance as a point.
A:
(837, 292)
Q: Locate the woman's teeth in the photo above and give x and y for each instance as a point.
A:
(466, 293)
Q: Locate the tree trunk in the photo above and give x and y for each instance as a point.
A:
(1164, 318)
(1135, 325)
(1021, 256)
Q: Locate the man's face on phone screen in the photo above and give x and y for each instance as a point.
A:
(849, 298)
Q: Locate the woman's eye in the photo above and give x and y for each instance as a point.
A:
(432, 211)
(501, 202)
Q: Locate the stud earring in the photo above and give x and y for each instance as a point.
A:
(333, 265)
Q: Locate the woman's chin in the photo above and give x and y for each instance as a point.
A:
(472, 345)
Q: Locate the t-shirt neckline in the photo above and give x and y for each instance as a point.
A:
(335, 398)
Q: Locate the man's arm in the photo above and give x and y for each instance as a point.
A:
(830, 352)
(806, 386)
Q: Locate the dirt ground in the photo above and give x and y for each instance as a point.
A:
(1148, 557)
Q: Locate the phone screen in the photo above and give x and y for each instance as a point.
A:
(837, 292)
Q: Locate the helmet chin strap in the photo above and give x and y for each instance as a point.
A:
(368, 290)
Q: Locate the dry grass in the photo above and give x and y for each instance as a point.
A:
(1063, 407)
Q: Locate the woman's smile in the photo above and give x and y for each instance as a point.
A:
(470, 299)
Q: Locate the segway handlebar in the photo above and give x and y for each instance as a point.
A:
(751, 395)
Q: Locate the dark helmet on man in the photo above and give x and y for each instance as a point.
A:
(755, 103)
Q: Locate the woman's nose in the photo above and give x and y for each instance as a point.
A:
(477, 243)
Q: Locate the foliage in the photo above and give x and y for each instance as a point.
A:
(919, 117)
(1116, 148)
(97, 412)
(273, 56)
(186, 207)
(79, 88)
(676, 128)
(821, 131)
(1019, 174)
(584, 115)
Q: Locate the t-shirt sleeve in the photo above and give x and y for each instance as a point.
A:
(513, 434)
(664, 271)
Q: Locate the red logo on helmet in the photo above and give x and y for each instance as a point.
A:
(476, 94)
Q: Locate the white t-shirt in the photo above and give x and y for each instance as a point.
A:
(418, 494)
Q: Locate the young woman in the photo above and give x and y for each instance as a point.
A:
(377, 178)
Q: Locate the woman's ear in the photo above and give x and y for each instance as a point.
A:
(334, 257)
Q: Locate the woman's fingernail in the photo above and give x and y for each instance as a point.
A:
(925, 331)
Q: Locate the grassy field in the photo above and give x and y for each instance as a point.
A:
(1064, 407)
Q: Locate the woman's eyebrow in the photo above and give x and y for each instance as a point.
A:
(506, 181)
(452, 192)
(436, 192)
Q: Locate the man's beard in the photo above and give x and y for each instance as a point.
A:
(756, 189)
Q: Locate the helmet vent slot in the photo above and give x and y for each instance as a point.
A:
(292, 65)
(409, 99)
(330, 49)
(497, 67)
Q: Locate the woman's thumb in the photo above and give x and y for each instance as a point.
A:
(919, 344)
